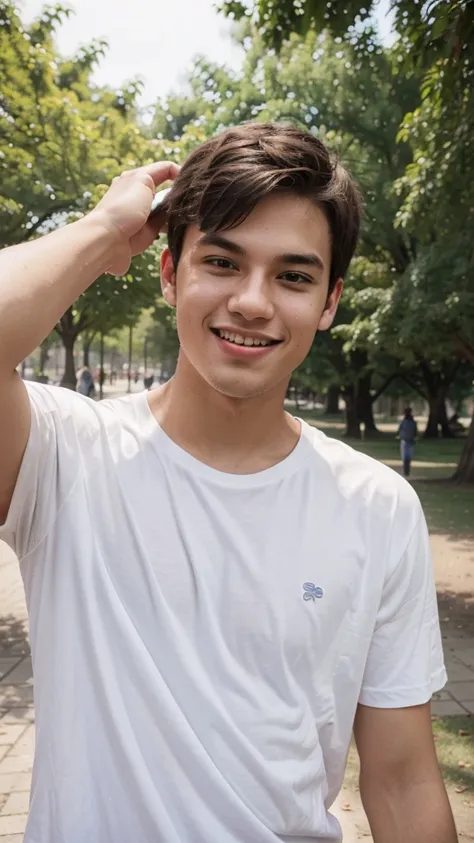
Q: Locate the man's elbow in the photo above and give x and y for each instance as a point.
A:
(400, 777)
(408, 806)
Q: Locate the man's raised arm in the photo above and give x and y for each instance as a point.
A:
(39, 280)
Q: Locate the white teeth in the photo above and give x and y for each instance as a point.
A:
(238, 339)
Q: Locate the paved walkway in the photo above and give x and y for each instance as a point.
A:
(16, 703)
(17, 713)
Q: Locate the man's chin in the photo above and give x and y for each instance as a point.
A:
(240, 388)
(236, 383)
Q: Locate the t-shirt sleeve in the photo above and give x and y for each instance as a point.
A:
(49, 469)
(405, 665)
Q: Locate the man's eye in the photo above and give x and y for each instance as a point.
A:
(295, 278)
(221, 263)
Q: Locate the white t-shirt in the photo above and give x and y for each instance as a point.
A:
(201, 640)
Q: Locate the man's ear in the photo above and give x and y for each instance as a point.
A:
(168, 277)
(329, 312)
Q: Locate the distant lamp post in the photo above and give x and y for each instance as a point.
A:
(145, 356)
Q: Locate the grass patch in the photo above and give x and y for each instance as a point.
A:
(451, 748)
(448, 508)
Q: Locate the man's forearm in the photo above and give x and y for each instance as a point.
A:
(419, 813)
(39, 280)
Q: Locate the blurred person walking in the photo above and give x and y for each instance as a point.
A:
(407, 433)
(85, 382)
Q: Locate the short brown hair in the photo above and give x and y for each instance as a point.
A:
(224, 179)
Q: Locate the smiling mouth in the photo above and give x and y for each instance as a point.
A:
(239, 339)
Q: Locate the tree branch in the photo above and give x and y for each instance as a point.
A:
(414, 386)
(83, 322)
(373, 398)
(463, 348)
(28, 232)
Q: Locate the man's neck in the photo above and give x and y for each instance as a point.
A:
(238, 436)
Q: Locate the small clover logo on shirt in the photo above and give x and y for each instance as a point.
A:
(312, 591)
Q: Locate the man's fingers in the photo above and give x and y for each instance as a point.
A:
(170, 173)
(160, 171)
(143, 239)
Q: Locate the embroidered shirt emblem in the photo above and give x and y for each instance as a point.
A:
(312, 591)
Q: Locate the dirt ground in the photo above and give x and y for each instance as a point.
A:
(454, 575)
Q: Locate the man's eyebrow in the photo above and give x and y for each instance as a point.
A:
(300, 259)
(213, 239)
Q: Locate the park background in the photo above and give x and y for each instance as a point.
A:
(91, 89)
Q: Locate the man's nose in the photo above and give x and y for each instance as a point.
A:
(252, 298)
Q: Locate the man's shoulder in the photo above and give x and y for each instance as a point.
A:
(73, 411)
(128, 409)
(360, 479)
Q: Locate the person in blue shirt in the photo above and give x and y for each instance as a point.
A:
(407, 433)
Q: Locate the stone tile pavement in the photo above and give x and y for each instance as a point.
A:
(17, 712)
(16, 703)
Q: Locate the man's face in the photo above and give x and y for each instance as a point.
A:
(250, 299)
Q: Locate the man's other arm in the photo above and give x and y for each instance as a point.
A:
(400, 781)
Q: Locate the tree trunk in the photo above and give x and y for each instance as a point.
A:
(112, 364)
(101, 367)
(465, 470)
(437, 416)
(130, 355)
(358, 364)
(352, 420)
(431, 429)
(332, 401)
(438, 383)
(443, 422)
(69, 332)
(69, 377)
(365, 405)
(44, 355)
(87, 340)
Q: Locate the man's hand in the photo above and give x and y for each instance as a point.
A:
(124, 212)
(400, 781)
(40, 279)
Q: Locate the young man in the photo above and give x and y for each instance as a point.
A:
(407, 433)
(217, 592)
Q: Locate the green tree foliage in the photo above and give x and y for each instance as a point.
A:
(432, 30)
(62, 141)
(60, 136)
